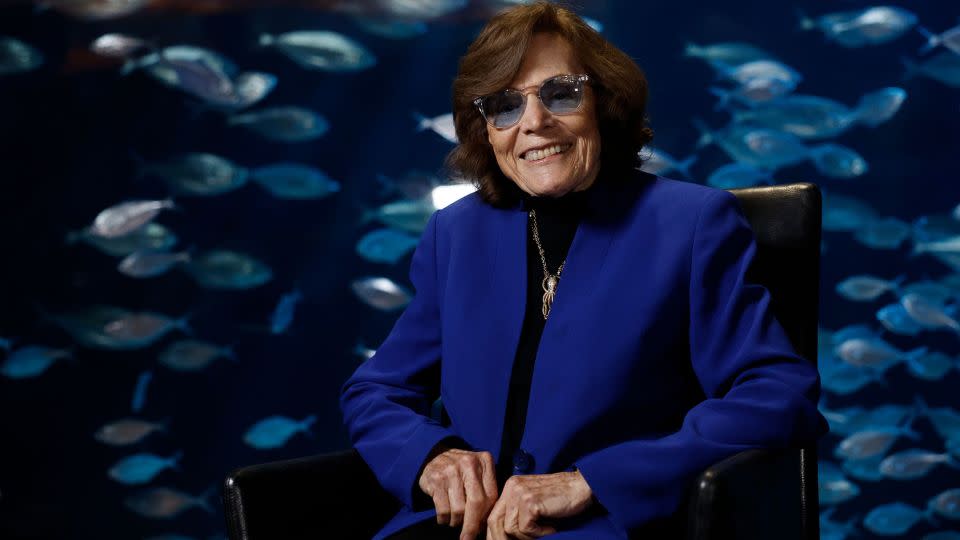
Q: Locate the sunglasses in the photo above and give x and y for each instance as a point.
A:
(562, 94)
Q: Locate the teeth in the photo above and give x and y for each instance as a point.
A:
(536, 155)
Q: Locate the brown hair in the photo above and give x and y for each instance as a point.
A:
(493, 60)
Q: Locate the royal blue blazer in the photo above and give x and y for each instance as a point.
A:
(659, 358)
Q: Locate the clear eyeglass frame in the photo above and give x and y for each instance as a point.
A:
(579, 79)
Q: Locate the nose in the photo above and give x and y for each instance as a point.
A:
(535, 115)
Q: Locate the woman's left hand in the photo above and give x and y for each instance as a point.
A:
(527, 499)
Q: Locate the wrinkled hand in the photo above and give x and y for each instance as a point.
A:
(463, 486)
(528, 499)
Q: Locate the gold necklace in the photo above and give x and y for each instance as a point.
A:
(550, 281)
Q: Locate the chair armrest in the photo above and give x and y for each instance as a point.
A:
(756, 494)
(325, 496)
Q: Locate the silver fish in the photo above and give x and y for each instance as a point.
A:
(149, 263)
(895, 318)
(837, 491)
(927, 313)
(198, 174)
(874, 353)
(18, 57)
(867, 469)
(866, 288)
(730, 53)
(124, 218)
(152, 236)
(109, 327)
(143, 328)
(119, 46)
(381, 293)
(127, 431)
(946, 503)
(185, 53)
(224, 269)
(837, 161)
(166, 503)
(758, 69)
(656, 161)
(868, 26)
(322, 50)
(283, 124)
(412, 185)
(884, 233)
(441, 125)
(913, 463)
(808, 117)
(386, 246)
(193, 354)
(288, 180)
(760, 147)
(738, 175)
(872, 442)
(96, 10)
(875, 108)
(945, 420)
(407, 215)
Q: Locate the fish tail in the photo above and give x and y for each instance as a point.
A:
(174, 460)
(723, 97)
(691, 49)
(265, 40)
(183, 323)
(203, 500)
(932, 40)
(683, 167)
(920, 407)
(423, 123)
(804, 22)
(6, 343)
(307, 422)
(706, 136)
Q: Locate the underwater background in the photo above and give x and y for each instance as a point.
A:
(302, 167)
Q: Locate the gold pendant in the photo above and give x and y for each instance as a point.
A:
(549, 285)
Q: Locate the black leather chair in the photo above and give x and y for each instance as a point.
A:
(757, 494)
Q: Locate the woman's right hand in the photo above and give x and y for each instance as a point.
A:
(463, 485)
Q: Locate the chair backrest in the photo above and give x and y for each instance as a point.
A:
(786, 221)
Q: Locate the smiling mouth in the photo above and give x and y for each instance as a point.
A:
(537, 155)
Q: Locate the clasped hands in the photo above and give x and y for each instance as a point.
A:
(463, 485)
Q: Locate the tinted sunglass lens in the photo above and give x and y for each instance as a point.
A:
(561, 96)
(503, 109)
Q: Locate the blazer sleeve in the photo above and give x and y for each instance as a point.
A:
(759, 392)
(386, 402)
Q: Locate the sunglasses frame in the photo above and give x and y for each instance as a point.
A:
(579, 79)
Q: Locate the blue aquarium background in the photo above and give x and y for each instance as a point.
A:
(129, 389)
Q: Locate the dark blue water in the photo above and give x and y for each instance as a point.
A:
(69, 129)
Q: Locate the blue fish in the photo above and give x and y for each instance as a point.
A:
(761, 147)
(836, 491)
(875, 108)
(196, 173)
(837, 161)
(139, 398)
(947, 504)
(385, 245)
(945, 420)
(391, 28)
(142, 468)
(294, 181)
(283, 124)
(282, 315)
(885, 233)
(846, 213)
(943, 67)
(166, 503)
(224, 269)
(894, 518)
(656, 161)
(738, 175)
(867, 469)
(6, 344)
(835, 530)
(846, 379)
(275, 431)
(867, 288)
(193, 354)
(31, 361)
(914, 463)
(932, 366)
(321, 50)
(730, 53)
(896, 319)
(18, 57)
(808, 117)
(872, 442)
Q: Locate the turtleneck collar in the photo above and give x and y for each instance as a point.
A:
(569, 203)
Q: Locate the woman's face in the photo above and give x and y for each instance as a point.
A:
(575, 167)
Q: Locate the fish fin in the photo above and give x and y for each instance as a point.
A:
(183, 323)
(723, 97)
(174, 460)
(203, 500)
(266, 40)
(683, 167)
(933, 40)
(691, 49)
(229, 353)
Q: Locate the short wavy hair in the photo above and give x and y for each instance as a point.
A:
(493, 60)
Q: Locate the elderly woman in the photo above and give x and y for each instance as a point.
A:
(590, 328)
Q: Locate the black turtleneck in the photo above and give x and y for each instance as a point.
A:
(557, 221)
